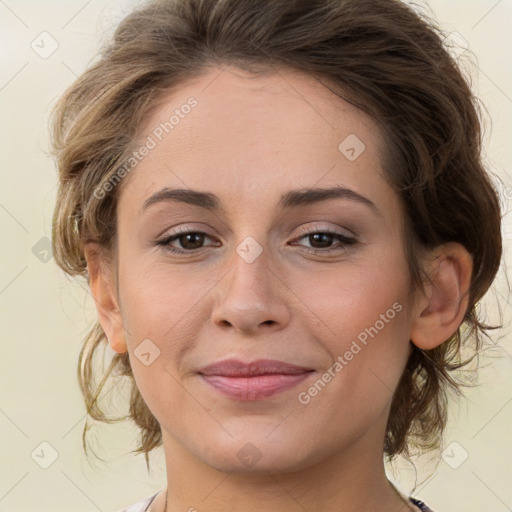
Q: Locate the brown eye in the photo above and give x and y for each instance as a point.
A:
(191, 240)
(321, 241)
(188, 242)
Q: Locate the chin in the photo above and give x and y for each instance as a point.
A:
(253, 454)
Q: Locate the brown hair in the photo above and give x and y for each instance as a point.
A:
(382, 56)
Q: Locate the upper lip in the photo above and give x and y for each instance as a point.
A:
(237, 368)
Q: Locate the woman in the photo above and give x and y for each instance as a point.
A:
(283, 217)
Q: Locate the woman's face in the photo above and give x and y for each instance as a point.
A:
(275, 270)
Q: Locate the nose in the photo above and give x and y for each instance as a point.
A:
(251, 298)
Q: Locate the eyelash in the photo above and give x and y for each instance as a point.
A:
(345, 241)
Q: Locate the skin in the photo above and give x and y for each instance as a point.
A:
(248, 141)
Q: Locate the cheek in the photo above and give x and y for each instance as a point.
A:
(160, 303)
(165, 306)
(351, 298)
(360, 317)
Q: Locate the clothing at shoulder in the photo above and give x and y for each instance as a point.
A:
(421, 506)
(141, 506)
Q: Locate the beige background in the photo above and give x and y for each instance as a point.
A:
(44, 315)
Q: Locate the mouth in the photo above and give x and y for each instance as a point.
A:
(256, 380)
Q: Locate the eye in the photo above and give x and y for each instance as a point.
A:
(190, 241)
(321, 241)
(193, 241)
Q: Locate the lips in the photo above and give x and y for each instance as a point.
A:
(236, 368)
(256, 380)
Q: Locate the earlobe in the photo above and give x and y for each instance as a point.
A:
(442, 308)
(102, 287)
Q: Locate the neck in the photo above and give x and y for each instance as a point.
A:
(350, 480)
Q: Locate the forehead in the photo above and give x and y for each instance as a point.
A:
(231, 130)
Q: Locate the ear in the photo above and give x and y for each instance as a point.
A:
(102, 285)
(442, 307)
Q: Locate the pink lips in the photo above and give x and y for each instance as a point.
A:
(253, 381)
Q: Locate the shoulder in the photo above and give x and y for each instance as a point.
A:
(416, 504)
(420, 505)
(140, 506)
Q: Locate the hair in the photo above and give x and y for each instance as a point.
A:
(386, 58)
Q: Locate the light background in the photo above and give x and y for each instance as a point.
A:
(45, 315)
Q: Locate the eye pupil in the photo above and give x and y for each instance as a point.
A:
(185, 239)
(325, 239)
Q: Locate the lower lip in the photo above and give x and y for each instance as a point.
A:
(254, 388)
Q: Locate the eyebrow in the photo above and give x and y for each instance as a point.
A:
(290, 199)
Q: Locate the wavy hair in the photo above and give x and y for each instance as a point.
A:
(383, 56)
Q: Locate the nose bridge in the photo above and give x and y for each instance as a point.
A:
(250, 295)
(251, 272)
